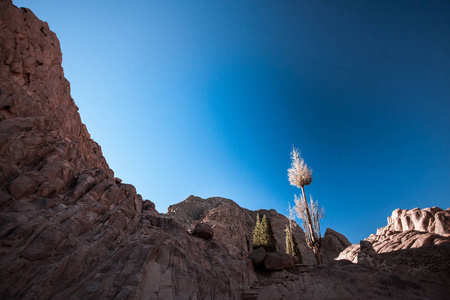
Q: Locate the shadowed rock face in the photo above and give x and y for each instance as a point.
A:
(333, 243)
(233, 226)
(68, 228)
(406, 229)
(43, 144)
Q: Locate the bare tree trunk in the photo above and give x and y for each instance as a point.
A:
(308, 214)
(314, 240)
(318, 254)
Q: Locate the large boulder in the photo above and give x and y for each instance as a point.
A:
(333, 243)
(276, 261)
(257, 256)
(203, 231)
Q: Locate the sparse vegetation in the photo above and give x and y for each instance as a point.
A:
(300, 175)
(291, 244)
(263, 235)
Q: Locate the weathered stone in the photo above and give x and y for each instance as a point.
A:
(64, 216)
(406, 229)
(234, 225)
(333, 243)
(257, 256)
(276, 261)
(204, 231)
(148, 205)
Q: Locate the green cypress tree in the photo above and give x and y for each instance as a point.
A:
(263, 235)
(291, 244)
(257, 234)
(268, 239)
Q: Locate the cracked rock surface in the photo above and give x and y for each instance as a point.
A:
(68, 228)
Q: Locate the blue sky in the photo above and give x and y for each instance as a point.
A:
(208, 97)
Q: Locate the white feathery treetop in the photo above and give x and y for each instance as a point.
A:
(299, 174)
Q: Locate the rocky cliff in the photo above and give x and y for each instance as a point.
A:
(233, 226)
(70, 230)
(406, 229)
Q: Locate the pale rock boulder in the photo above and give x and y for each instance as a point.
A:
(432, 220)
(406, 229)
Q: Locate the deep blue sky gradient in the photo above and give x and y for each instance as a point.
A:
(208, 97)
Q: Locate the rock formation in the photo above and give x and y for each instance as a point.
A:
(70, 229)
(233, 226)
(415, 243)
(204, 231)
(333, 243)
(406, 229)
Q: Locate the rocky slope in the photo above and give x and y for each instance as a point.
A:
(233, 226)
(70, 230)
(406, 229)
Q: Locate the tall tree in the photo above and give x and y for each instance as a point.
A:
(300, 175)
(257, 233)
(263, 235)
(291, 244)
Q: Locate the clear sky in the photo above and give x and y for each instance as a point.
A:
(208, 97)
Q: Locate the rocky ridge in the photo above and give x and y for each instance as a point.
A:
(233, 226)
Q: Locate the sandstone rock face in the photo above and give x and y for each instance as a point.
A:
(231, 223)
(333, 243)
(68, 227)
(407, 229)
(43, 144)
(233, 226)
(431, 220)
(204, 231)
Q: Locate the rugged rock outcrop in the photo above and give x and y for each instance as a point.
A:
(406, 229)
(68, 228)
(333, 243)
(233, 226)
(231, 223)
